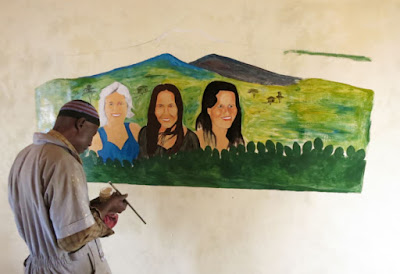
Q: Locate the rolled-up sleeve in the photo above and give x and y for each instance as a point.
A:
(79, 239)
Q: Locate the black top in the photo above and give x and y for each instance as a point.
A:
(190, 142)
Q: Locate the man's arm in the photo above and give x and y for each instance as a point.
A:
(77, 240)
(99, 210)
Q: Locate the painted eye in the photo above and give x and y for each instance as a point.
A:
(220, 106)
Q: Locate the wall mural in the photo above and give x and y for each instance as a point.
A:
(218, 122)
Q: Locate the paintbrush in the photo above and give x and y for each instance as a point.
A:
(111, 184)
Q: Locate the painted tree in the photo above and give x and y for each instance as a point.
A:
(142, 89)
(279, 96)
(89, 91)
(253, 91)
(271, 99)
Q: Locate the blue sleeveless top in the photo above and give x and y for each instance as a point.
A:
(129, 151)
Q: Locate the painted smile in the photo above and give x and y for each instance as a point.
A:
(227, 118)
(116, 114)
(166, 119)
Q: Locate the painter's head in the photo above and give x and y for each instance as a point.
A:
(78, 122)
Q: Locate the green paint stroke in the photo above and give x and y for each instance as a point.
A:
(302, 167)
(353, 57)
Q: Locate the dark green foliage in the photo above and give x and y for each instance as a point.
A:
(281, 167)
(296, 149)
(99, 161)
(225, 154)
(328, 151)
(318, 144)
(233, 152)
(270, 147)
(350, 151)
(126, 163)
(288, 151)
(260, 148)
(91, 158)
(208, 150)
(241, 150)
(215, 154)
(279, 149)
(117, 164)
(360, 154)
(307, 147)
(109, 162)
(251, 147)
(339, 153)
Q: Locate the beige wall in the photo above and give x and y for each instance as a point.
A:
(200, 230)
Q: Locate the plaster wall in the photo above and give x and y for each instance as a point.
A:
(204, 230)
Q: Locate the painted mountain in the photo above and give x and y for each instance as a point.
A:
(301, 134)
(234, 69)
(140, 78)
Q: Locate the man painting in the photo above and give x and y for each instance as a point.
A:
(48, 194)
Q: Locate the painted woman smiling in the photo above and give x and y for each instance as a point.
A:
(115, 138)
(165, 132)
(219, 123)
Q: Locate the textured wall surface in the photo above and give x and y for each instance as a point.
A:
(201, 230)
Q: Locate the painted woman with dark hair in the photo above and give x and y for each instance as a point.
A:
(219, 125)
(165, 132)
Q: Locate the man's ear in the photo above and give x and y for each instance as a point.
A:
(79, 123)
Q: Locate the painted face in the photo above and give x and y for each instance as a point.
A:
(115, 107)
(166, 110)
(85, 136)
(223, 113)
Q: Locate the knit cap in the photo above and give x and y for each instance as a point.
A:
(79, 109)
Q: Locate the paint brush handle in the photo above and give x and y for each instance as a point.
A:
(111, 184)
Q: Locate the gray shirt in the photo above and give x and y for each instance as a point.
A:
(49, 197)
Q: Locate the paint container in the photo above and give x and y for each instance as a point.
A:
(110, 219)
(105, 194)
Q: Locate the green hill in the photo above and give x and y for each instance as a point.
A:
(337, 113)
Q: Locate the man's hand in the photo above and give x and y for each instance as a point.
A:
(114, 204)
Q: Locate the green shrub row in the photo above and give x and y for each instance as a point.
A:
(310, 167)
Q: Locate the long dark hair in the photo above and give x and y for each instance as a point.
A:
(153, 126)
(203, 121)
